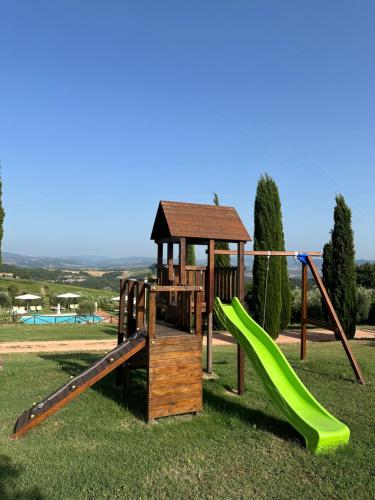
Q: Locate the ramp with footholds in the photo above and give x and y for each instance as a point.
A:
(52, 403)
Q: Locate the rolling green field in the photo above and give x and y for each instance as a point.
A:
(28, 333)
(238, 447)
(45, 288)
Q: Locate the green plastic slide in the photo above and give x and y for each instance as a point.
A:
(321, 430)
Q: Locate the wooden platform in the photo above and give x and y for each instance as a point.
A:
(163, 329)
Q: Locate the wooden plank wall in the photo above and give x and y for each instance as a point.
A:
(174, 376)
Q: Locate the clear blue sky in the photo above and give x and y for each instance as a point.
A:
(108, 107)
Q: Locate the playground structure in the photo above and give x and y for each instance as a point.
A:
(160, 325)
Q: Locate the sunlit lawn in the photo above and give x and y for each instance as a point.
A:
(239, 447)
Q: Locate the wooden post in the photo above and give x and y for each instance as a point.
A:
(121, 328)
(182, 272)
(151, 317)
(140, 312)
(130, 320)
(198, 297)
(210, 300)
(304, 312)
(182, 261)
(241, 297)
(170, 269)
(160, 273)
(121, 316)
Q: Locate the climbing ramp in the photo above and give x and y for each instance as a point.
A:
(49, 405)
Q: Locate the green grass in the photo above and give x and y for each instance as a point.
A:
(98, 447)
(26, 333)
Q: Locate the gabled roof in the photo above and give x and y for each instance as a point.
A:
(201, 222)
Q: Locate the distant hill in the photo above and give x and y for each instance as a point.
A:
(77, 262)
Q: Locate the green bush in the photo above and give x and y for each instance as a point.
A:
(86, 306)
(13, 290)
(6, 316)
(106, 303)
(314, 304)
(364, 303)
(5, 300)
(371, 315)
(53, 300)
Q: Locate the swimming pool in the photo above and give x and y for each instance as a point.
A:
(54, 319)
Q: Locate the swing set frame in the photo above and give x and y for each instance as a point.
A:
(334, 325)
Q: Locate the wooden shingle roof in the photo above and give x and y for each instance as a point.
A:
(200, 222)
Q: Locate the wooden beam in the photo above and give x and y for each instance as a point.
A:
(140, 310)
(130, 320)
(175, 288)
(303, 312)
(198, 299)
(210, 287)
(151, 317)
(121, 328)
(272, 253)
(159, 263)
(241, 297)
(121, 316)
(320, 324)
(335, 320)
(182, 261)
(170, 263)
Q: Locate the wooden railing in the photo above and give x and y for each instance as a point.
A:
(138, 307)
(225, 281)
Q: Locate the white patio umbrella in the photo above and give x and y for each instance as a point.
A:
(68, 295)
(58, 309)
(28, 297)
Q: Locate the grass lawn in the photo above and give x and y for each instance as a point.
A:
(25, 333)
(239, 447)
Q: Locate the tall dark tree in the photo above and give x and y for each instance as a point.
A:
(221, 261)
(190, 255)
(339, 267)
(269, 305)
(327, 274)
(2, 215)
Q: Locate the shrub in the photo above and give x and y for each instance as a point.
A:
(6, 316)
(5, 300)
(371, 316)
(105, 303)
(314, 304)
(86, 306)
(53, 300)
(13, 290)
(364, 302)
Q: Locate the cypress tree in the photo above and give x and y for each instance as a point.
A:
(2, 215)
(268, 235)
(190, 255)
(327, 268)
(341, 267)
(221, 261)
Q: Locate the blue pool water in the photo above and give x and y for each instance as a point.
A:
(52, 319)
